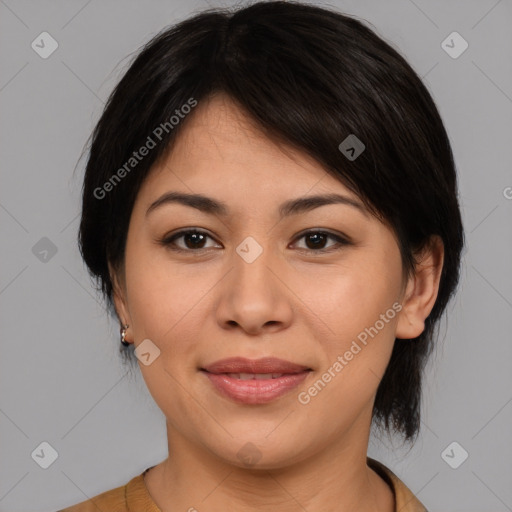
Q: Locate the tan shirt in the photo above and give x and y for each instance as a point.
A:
(134, 496)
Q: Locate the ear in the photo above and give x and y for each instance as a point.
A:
(421, 290)
(119, 296)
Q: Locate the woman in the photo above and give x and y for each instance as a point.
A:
(270, 207)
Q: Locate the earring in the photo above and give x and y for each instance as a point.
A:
(123, 335)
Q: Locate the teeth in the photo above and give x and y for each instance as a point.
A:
(255, 376)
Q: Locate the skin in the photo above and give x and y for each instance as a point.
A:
(292, 302)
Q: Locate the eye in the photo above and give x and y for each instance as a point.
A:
(315, 241)
(194, 241)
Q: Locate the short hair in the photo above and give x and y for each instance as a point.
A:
(310, 77)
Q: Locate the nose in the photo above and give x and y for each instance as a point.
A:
(254, 296)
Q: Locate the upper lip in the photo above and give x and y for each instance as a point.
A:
(263, 365)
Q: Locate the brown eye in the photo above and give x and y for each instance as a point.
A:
(315, 241)
(193, 240)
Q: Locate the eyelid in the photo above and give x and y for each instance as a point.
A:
(341, 240)
(169, 240)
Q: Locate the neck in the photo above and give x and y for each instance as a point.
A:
(336, 479)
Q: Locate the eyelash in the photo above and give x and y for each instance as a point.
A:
(169, 242)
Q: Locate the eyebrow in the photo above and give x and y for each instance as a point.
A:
(292, 207)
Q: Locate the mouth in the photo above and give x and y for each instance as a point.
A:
(264, 366)
(254, 376)
(258, 381)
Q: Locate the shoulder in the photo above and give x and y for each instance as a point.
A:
(113, 500)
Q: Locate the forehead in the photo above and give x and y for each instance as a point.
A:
(222, 151)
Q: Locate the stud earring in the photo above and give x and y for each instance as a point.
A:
(123, 335)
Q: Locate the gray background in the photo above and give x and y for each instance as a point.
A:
(62, 380)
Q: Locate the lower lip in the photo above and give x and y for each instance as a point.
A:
(255, 391)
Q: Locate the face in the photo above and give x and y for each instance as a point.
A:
(320, 287)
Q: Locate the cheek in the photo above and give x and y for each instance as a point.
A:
(350, 298)
(353, 362)
(354, 309)
(165, 298)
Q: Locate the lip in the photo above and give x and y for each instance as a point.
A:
(255, 391)
(263, 365)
